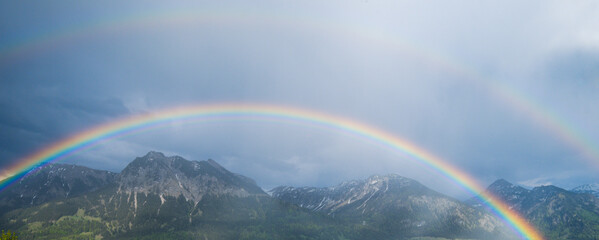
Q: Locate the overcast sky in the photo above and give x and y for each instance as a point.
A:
(429, 72)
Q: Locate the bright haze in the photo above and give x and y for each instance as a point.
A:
(499, 90)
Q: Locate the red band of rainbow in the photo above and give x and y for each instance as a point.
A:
(124, 126)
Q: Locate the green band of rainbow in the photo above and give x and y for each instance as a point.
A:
(557, 124)
(97, 134)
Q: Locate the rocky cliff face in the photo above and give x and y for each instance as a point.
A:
(511, 194)
(54, 181)
(343, 197)
(153, 194)
(559, 213)
(174, 176)
(592, 188)
(398, 205)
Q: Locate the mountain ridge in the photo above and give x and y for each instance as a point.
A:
(53, 181)
(591, 188)
(398, 203)
(557, 212)
(157, 194)
(174, 176)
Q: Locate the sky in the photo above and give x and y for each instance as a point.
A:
(494, 89)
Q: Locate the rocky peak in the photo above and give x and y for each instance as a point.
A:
(173, 176)
(548, 188)
(356, 192)
(587, 187)
(499, 183)
(550, 207)
(502, 187)
(390, 179)
(54, 181)
(545, 192)
(412, 206)
(511, 194)
(592, 188)
(217, 166)
(153, 154)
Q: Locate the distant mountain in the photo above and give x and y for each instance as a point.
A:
(169, 197)
(559, 213)
(159, 197)
(54, 181)
(592, 188)
(397, 205)
(174, 176)
(508, 192)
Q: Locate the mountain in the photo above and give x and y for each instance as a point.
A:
(559, 213)
(168, 197)
(160, 197)
(54, 181)
(174, 176)
(592, 188)
(398, 206)
(508, 192)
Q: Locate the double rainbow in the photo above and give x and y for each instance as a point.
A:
(558, 125)
(128, 125)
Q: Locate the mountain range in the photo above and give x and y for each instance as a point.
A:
(592, 188)
(395, 204)
(169, 197)
(558, 213)
(56, 181)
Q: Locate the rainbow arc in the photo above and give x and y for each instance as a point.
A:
(95, 135)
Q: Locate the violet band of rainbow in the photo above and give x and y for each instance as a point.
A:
(121, 127)
(555, 123)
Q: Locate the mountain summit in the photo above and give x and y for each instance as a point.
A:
(51, 182)
(169, 197)
(398, 205)
(154, 194)
(592, 188)
(510, 193)
(559, 213)
(350, 195)
(174, 176)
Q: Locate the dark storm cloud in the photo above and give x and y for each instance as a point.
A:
(578, 69)
(32, 120)
(390, 64)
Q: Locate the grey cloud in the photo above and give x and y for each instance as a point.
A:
(578, 69)
(390, 64)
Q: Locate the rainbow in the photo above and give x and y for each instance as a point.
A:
(558, 126)
(82, 140)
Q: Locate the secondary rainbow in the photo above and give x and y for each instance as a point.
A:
(556, 124)
(124, 126)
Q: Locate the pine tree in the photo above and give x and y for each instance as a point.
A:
(8, 235)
